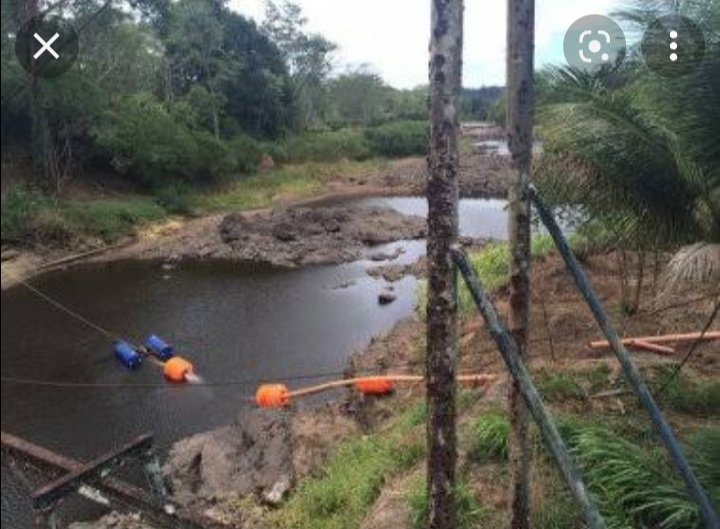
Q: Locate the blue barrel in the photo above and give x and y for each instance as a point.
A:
(128, 356)
(158, 346)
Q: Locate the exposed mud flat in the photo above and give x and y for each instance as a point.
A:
(323, 235)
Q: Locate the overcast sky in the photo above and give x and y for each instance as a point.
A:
(392, 35)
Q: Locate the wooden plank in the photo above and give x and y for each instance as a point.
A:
(88, 473)
(122, 495)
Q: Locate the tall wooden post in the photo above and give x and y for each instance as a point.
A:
(445, 71)
(520, 104)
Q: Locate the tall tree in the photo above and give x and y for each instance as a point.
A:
(309, 57)
(520, 49)
(445, 78)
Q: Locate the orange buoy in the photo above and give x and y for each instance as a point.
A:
(374, 385)
(176, 368)
(272, 395)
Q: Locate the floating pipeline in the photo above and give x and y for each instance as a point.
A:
(278, 395)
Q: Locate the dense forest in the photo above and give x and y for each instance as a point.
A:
(191, 91)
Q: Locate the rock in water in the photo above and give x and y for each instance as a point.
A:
(386, 296)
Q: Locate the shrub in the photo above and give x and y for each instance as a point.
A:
(247, 153)
(20, 207)
(490, 437)
(399, 138)
(175, 198)
(327, 146)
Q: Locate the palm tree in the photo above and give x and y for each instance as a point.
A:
(641, 153)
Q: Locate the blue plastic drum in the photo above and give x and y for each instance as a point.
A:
(159, 348)
(126, 354)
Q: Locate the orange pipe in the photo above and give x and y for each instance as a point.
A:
(660, 339)
(653, 347)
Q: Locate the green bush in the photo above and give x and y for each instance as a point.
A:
(175, 198)
(327, 146)
(155, 143)
(399, 138)
(469, 510)
(247, 153)
(490, 437)
(20, 207)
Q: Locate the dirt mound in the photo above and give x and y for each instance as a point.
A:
(261, 454)
(251, 455)
(303, 236)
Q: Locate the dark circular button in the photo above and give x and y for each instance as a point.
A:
(47, 46)
(594, 43)
(673, 46)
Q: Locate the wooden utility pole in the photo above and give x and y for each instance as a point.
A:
(520, 104)
(442, 192)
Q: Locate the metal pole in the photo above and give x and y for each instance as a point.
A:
(637, 384)
(508, 349)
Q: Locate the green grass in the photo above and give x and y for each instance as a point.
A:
(688, 395)
(470, 512)
(491, 263)
(633, 480)
(350, 482)
(560, 387)
(111, 218)
(490, 437)
(30, 217)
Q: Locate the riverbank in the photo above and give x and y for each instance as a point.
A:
(359, 461)
(368, 469)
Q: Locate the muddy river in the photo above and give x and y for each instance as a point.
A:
(239, 325)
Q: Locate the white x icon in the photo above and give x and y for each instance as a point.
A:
(46, 46)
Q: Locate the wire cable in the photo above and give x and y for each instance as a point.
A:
(689, 354)
(60, 306)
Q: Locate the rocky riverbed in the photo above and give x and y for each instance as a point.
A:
(321, 235)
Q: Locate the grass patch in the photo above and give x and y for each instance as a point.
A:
(560, 386)
(684, 394)
(111, 218)
(350, 482)
(490, 437)
(470, 512)
(491, 263)
(297, 181)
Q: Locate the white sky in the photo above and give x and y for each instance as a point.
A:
(392, 35)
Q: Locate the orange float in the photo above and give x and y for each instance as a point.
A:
(374, 385)
(272, 396)
(176, 369)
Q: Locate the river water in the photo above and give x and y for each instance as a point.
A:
(239, 323)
